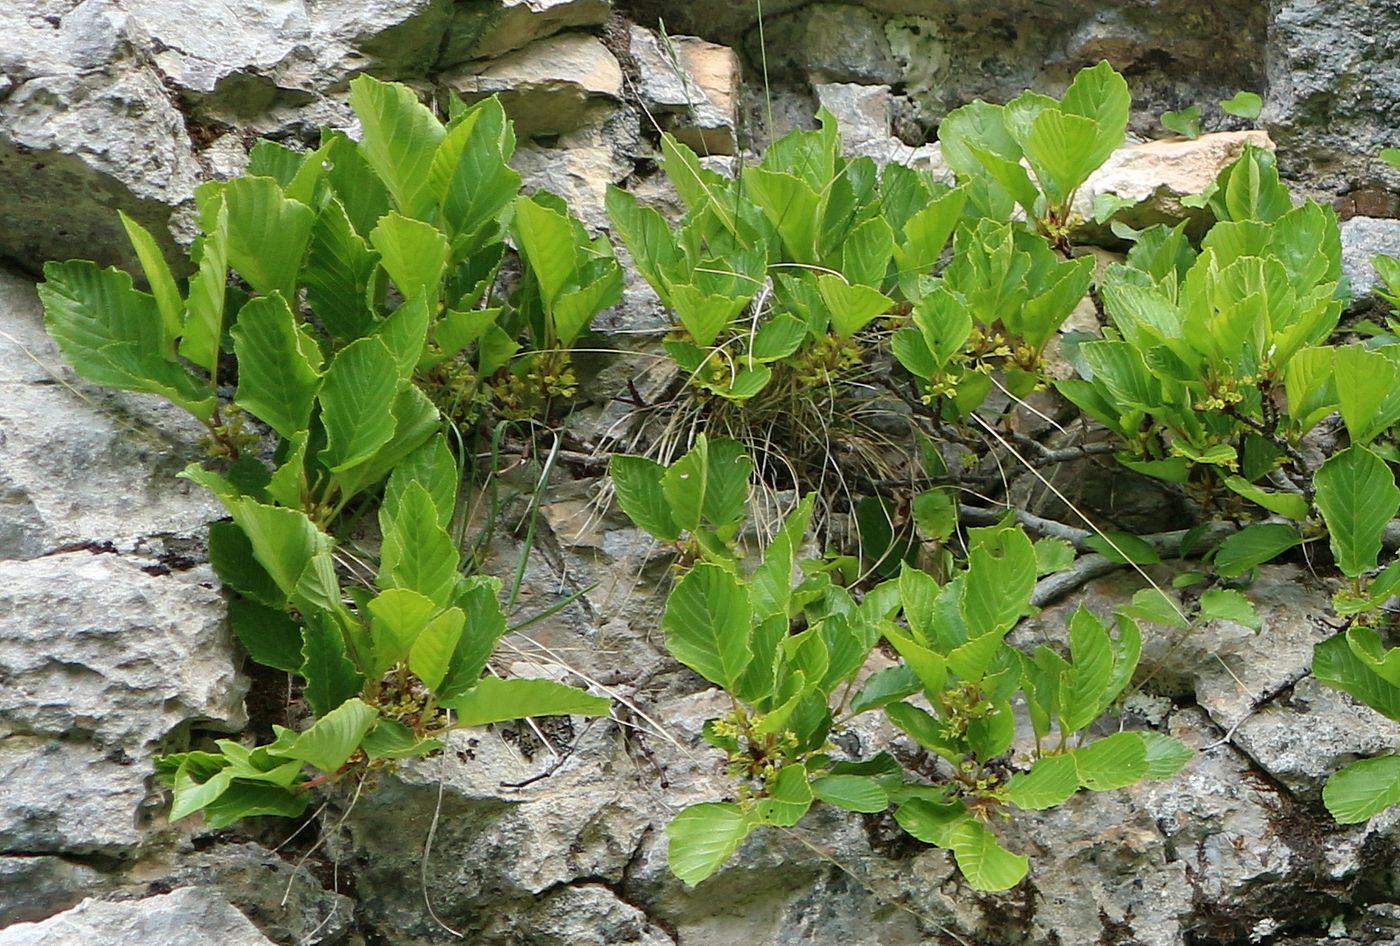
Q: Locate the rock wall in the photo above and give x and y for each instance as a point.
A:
(112, 641)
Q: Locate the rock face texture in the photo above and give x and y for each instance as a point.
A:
(113, 642)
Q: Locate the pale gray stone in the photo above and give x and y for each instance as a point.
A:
(83, 465)
(1333, 90)
(70, 797)
(548, 87)
(690, 87)
(187, 917)
(92, 646)
(38, 886)
(1363, 239)
(484, 30)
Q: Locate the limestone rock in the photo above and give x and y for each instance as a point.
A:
(827, 42)
(691, 86)
(100, 663)
(92, 646)
(187, 917)
(1308, 733)
(79, 464)
(70, 797)
(1334, 90)
(200, 45)
(587, 915)
(285, 902)
(1155, 175)
(549, 87)
(512, 822)
(506, 25)
(37, 887)
(1363, 239)
(581, 164)
(84, 132)
(863, 113)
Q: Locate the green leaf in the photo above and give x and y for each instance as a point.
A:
(418, 553)
(1060, 150)
(791, 206)
(231, 554)
(852, 792)
(985, 863)
(269, 635)
(1100, 94)
(710, 483)
(772, 580)
(924, 729)
(1155, 605)
(357, 396)
(1186, 122)
(1082, 686)
(397, 617)
(1050, 782)
(1338, 666)
(930, 821)
(1357, 496)
(1243, 105)
(1290, 505)
(413, 253)
(928, 665)
(1111, 763)
(331, 678)
(471, 174)
(789, 798)
(267, 234)
(192, 795)
(1366, 644)
(340, 274)
(779, 337)
(1123, 547)
(702, 837)
(277, 376)
(1254, 545)
(390, 739)
(113, 335)
(433, 467)
(704, 315)
(415, 420)
(284, 541)
(637, 486)
(208, 289)
(405, 333)
(1368, 391)
(547, 240)
(851, 307)
(1052, 555)
(1165, 756)
(401, 138)
(1000, 580)
(885, 687)
(1363, 789)
(435, 647)
(1226, 604)
(1391, 156)
(573, 312)
(333, 738)
(247, 799)
(707, 621)
(485, 625)
(494, 701)
(646, 234)
(167, 295)
(926, 232)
